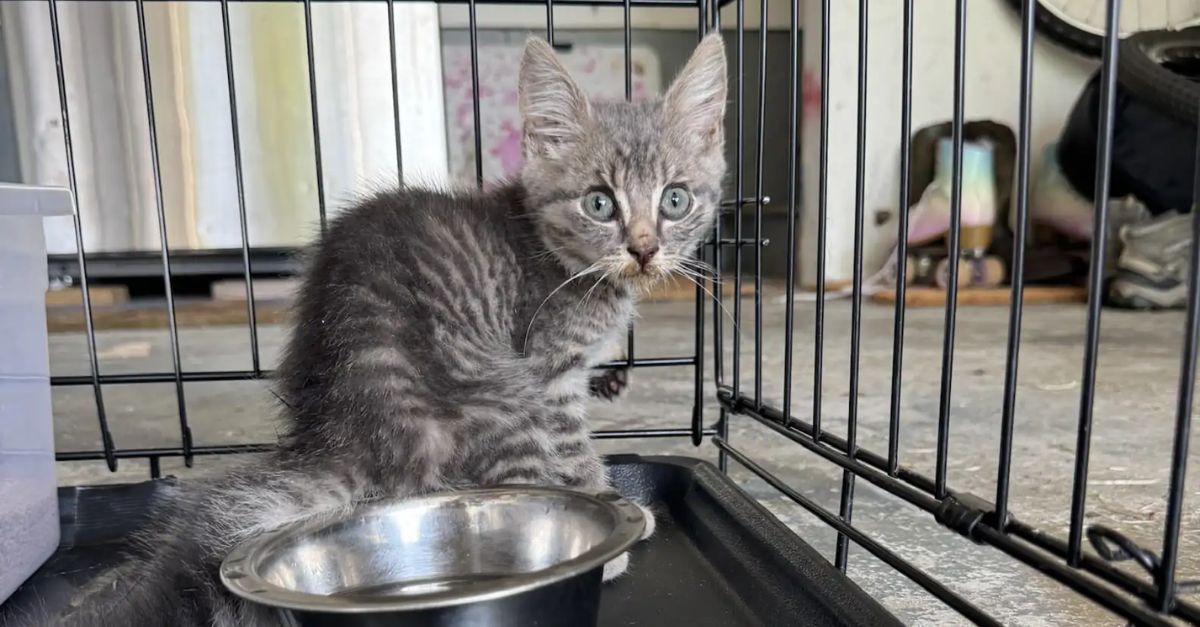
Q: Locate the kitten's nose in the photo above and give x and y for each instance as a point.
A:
(643, 253)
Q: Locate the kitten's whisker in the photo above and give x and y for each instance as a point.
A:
(689, 262)
(694, 263)
(692, 272)
(546, 253)
(588, 294)
(584, 272)
(680, 271)
(704, 270)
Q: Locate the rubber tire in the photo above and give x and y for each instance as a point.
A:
(1061, 32)
(1141, 73)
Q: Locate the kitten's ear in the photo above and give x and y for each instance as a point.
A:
(695, 103)
(552, 105)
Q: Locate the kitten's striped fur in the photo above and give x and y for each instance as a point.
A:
(447, 339)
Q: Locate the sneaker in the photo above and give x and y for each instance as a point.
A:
(1152, 269)
(1123, 213)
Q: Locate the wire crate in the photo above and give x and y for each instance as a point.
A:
(727, 351)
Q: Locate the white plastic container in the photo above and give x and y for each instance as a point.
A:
(28, 488)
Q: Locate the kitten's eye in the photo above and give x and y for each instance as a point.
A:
(675, 202)
(599, 205)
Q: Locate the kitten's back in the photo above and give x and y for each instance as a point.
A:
(412, 286)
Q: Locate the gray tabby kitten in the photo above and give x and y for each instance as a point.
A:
(450, 339)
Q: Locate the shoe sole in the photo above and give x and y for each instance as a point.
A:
(1131, 291)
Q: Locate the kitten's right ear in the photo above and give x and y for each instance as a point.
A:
(552, 105)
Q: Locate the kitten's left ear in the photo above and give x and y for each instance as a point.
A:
(695, 103)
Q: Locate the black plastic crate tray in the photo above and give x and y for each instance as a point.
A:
(718, 558)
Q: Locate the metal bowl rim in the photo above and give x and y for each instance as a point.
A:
(628, 525)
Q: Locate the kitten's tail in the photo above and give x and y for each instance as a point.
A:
(171, 578)
(164, 579)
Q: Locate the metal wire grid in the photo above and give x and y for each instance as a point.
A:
(187, 449)
(1143, 600)
(1151, 600)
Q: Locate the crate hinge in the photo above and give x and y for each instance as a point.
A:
(963, 512)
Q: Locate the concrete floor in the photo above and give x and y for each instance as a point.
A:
(1130, 449)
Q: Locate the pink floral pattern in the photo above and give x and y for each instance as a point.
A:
(599, 69)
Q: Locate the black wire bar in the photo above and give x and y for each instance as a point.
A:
(698, 398)
(822, 212)
(106, 439)
(738, 218)
(1099, 580)
(1150, 596)
(793, 149)
(846, 498)
(760, 202)
(185, 431)
(954, 245)
(1164, 571)
(235, 130)
(845, 529)
(901, 240)
(1008, 413)
(310, 53)
(1091, 346)
(391, 11)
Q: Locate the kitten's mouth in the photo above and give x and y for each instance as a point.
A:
(644, 278)
(649, 271)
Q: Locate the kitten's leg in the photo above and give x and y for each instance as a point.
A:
(579, 466)
(586, 471)
(576, 463)
(516, 453)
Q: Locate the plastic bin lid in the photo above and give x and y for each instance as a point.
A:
(35, 200)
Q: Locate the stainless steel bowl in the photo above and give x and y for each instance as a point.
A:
(519, 555)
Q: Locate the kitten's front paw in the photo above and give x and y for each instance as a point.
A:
(616, 567)
(609, 383)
